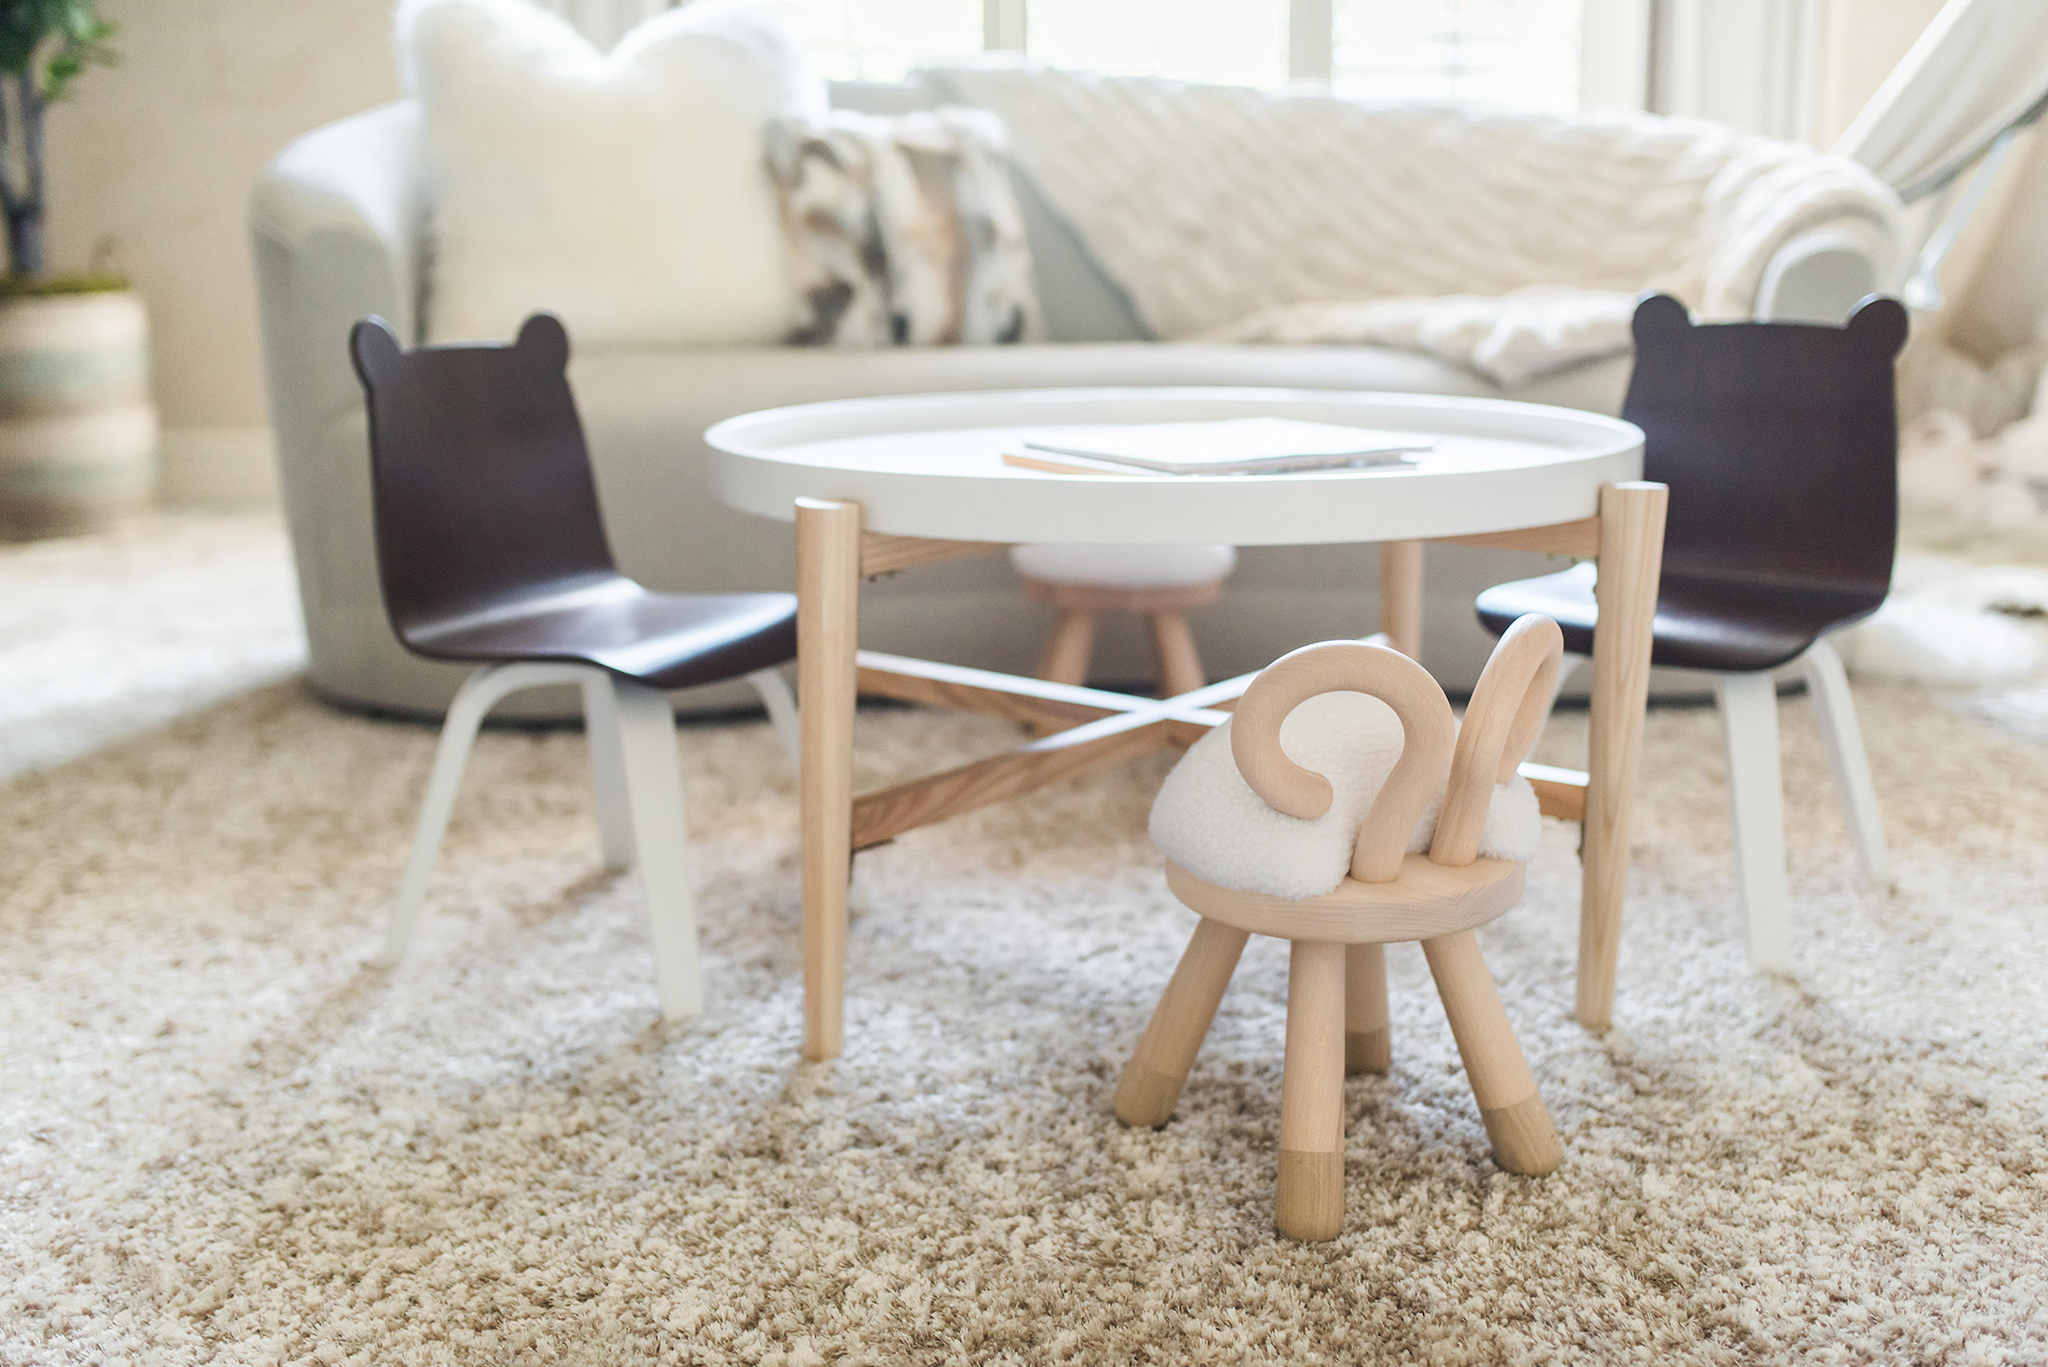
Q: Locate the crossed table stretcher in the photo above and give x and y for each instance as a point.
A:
(1092, 728)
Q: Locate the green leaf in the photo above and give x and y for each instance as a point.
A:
(52, 42)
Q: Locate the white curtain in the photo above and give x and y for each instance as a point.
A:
(1981, 67)
(604, 22)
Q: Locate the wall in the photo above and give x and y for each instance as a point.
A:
(1862, 40)
(1789, 68)
(159, 153)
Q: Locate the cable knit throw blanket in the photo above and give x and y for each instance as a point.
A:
(1511, 243)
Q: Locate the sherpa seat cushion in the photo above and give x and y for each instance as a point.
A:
(1208, 820)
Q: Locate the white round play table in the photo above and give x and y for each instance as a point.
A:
(884, 484)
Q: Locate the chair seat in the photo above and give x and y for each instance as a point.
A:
(663, 640)
(1730, 626)
(1428, 900)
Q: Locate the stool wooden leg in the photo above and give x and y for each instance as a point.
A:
(1067, 651)
(1173, 647)
(1401, 595)
(1523, 1139)
(1150, 1086)
(1368, 1036)
(1310, 1201)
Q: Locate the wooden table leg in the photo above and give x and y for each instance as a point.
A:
(828, 606)
(1401, 595)
(1631, 560)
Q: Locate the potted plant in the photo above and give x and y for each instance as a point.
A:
(77, 430)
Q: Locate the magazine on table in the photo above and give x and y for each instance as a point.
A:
(1226, 446)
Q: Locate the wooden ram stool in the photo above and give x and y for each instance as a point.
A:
(1336, 990)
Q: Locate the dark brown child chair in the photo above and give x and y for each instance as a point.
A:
(1780, 444)
(492, 552)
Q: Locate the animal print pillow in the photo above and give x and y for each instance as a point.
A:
(904, 230)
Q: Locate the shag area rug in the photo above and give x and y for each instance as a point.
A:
(108, 636)
(227, 1140)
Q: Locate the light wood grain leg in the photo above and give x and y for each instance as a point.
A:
(1401, 595)
(1173, 648)
(1368, 1035)
(1150, 1086)
(1523, 1138)
(1310, 1201)
(1631, 560)
(1068, 648)
(828, 605)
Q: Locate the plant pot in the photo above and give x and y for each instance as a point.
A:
(77, 429)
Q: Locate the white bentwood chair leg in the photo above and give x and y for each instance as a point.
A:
(479, 693)
(608, 772)
(1828, 686)
(654, 788)
(1756, 805)
(776, 697)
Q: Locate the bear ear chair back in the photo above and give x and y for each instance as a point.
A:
(1658, 315)
(543, 340)
(1880, 323)
(374, 348)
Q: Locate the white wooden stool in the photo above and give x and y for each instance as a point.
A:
(1161, 582)
(1337, 1017)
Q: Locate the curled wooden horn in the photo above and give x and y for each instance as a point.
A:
(1354, 667)
(1508, 709)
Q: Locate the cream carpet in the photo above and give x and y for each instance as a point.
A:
(225, 1140)
(106, 636)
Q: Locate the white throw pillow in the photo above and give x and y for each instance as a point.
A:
(625, 193)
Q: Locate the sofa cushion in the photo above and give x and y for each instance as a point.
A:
(623, 192)
(1077, 300)
(904, 228)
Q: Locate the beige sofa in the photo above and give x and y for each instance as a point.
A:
(337, 226)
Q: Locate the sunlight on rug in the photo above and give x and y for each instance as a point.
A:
(105, 636)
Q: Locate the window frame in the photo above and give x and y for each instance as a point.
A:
(1615, 46)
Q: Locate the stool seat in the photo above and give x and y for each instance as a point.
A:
(1157, 582)
(1427, 900)
(1125, 567)
(1093, 598)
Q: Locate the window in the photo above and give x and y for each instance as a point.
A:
(880, 40)
(1234, 42)
(1518, 52)
(1523, 52)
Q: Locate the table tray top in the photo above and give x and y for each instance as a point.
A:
(931, 465)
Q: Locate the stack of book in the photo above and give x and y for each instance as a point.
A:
(1227, 446)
